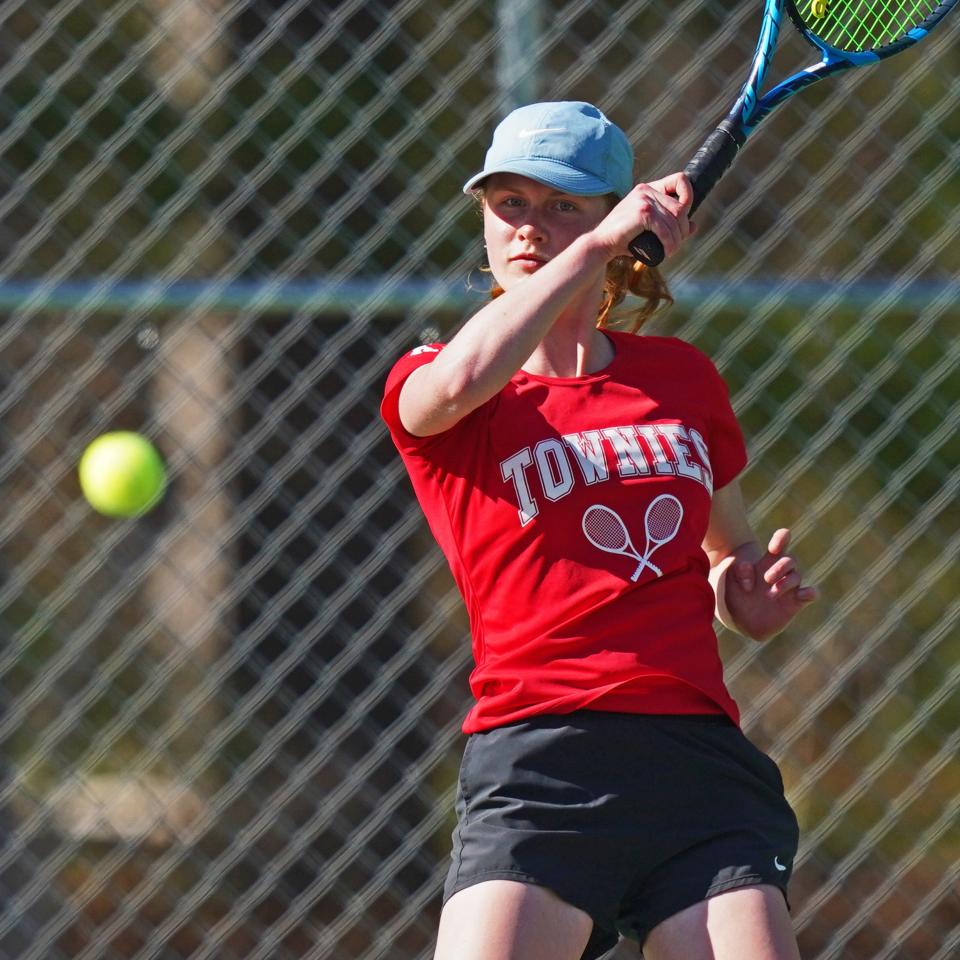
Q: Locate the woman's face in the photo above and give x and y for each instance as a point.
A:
(526, 224)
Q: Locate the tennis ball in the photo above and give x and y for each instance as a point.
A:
(122, 475)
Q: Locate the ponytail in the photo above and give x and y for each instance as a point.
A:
(626, 275)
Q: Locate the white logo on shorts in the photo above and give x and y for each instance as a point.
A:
(778, 864)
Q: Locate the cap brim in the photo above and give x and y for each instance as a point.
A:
(551, 173)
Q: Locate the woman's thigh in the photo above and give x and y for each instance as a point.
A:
(749, 922)
(508, 920)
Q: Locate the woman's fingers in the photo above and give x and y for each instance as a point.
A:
(660, 206)
(780, 569)
(783, 575)
(676, 185)
(779, 542)
(807, 594)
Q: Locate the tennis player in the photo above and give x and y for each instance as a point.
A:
(582, 483)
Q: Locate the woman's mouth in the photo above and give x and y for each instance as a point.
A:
(528, 260)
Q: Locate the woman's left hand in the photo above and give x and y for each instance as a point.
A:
(763, 595)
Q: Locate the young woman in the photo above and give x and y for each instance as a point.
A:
(582, 485)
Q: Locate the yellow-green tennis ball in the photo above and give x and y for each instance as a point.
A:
(122, 475)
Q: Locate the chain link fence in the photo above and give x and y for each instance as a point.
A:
(230, 729)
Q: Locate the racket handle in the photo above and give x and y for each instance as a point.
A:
(647, 248)
(712, 161)
(708, 165)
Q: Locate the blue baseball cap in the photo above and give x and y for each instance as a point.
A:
(567, 145)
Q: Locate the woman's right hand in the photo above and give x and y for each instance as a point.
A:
(661, 206)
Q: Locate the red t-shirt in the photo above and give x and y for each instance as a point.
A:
(572, 513)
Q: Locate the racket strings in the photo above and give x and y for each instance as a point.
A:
(663, 519)
(863, 25)
(605, 529)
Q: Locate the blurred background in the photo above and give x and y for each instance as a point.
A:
(230, 729)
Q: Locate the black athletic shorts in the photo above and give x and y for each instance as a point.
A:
(631, 818)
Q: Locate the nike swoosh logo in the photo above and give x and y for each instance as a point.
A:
(533, 133)
(778, 864)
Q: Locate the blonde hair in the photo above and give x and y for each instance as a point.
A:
(624, 275)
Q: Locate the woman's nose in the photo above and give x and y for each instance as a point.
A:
(531, 230)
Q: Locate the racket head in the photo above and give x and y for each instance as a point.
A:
(662, 519)
(865, 30)
(605, 529)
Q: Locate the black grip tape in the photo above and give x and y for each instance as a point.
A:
(647, 248)
(708, 165)
(711, 162)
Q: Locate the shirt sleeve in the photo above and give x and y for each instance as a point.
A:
(390, 405)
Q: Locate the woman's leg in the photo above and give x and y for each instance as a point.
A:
(507, 920)
(751, 923)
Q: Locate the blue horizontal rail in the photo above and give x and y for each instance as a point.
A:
(325, 295)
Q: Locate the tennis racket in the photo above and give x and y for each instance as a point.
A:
(605, 529)
(847, 34)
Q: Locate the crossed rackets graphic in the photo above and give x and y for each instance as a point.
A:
(605, 529)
